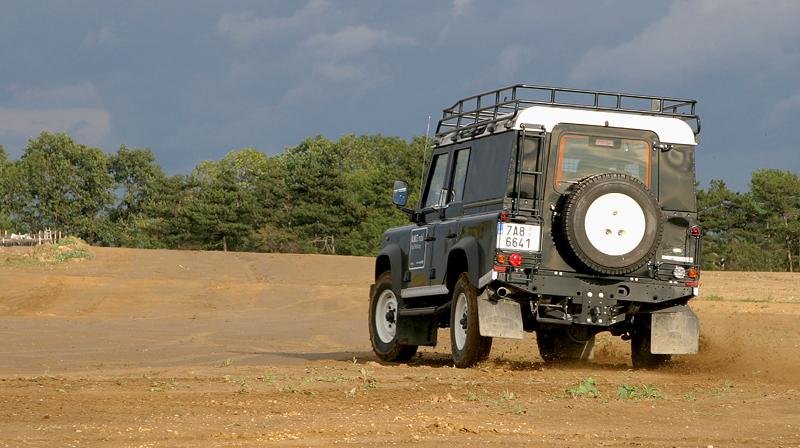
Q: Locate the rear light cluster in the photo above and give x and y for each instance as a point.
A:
(680, 272)
(695, 231)
(502, 261)
(692, 276)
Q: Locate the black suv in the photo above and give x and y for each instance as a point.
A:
(561, 211)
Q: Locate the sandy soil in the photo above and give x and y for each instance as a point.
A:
(168, 348)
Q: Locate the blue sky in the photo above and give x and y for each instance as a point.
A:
(193, 80)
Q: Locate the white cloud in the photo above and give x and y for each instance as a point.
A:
(784, 111)
(102, 36)
(90, 125)
(513, 58)
(353, 40)
(339, 72)
(461, 7)
(698, 37)
(69, 93)
(245, 28)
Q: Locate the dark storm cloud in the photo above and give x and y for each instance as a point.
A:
(193, 80)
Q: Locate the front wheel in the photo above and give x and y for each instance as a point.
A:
(468, 346)
(641, 358)
(383, 307)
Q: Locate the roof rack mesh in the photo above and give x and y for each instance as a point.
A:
(475, 113)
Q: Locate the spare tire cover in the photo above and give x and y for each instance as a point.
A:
(612, 224)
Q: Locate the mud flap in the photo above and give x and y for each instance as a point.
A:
(499, 318)
(419, 330)
(674, 331)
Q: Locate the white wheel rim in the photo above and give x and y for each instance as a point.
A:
(386, 316)
(615, 224)
(459, 329)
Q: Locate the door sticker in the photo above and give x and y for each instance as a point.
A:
(416, 250)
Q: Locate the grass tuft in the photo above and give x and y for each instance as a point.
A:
(587, 388)
(648, 391)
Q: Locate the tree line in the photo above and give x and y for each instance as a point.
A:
(318, 196)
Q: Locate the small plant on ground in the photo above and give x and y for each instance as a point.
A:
(161, 386)
(518, 409)
(587, 388)
(289, 389)
(507, 395)
(627, 392)
(369, 381)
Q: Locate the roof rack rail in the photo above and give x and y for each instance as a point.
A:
(476, 113)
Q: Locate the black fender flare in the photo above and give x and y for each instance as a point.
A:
(471, 253)
(391, 258)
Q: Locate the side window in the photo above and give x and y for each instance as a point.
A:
(459, 175)
(436, 180)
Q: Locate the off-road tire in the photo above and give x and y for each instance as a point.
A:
(468, 346)
(389, 349)
(558, 345)
(579, 247)
(641, 358)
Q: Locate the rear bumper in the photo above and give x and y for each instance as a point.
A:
(629, 289)
(561, 299)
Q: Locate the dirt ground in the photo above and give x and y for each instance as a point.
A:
(168, 348)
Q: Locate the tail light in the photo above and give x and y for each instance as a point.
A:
(501, 259)
(692, 273)
(695, 231)
(515, 260)
(504, 216)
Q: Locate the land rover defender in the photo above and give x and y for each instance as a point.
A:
(558, 211)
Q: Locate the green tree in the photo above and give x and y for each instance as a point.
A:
(225, 205)
(140, 187)
(758, 230)
(776, 199)
(63, 185)
(5, 204)
(316, 206)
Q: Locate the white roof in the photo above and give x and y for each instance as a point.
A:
(669, 130)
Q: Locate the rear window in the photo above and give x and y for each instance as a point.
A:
(580, 156)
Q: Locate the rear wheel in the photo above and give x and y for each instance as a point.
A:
(564, 345)
(641, 358)
(468, 346)
(383, 307)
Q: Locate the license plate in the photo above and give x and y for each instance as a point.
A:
(522, 237)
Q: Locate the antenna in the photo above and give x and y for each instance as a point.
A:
(424, 162)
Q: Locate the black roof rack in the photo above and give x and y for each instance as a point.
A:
(477, 113)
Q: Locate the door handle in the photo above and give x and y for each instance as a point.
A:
(452, 235)
(430, 238)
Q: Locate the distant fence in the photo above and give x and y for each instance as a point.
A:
(46, 236)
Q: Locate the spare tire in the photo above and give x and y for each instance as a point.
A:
(611, 223)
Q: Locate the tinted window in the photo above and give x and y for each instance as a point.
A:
(580, 156)
(436, 181)
(488, 172)
(460, 174)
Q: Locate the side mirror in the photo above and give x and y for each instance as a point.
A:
(400, 193)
